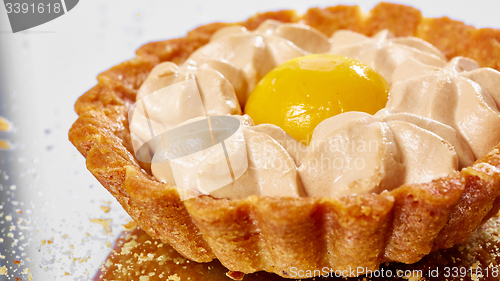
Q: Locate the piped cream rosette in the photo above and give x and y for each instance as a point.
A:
(460, 95)
(188, 153)
(264, 151)
(245, 57)
(181, 141)
(358, 153)
(384, 52)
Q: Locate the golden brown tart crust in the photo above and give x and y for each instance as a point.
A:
(274, 234)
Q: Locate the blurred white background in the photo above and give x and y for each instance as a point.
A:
(47, 196)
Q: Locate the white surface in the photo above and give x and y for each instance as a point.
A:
(42, 73)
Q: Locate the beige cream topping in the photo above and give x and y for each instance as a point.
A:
(436, 110)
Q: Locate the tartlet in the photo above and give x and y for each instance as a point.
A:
(275, 234)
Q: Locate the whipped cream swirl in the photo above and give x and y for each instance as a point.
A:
(460, 95)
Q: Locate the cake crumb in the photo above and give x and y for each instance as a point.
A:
(4, 144)
(4, 124)
(106, 224)
(81, 260)
(179, 260)
(130, 225)
(235, 275)
(174, 277)
(105, 209)
(3, 270)
(128, 246)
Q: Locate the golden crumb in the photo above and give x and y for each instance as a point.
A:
(174, 278)
(108, 263)
(4, 124)
(81, 260)
(106, 224)
(179, 260)
(130, 225)
(3, 270)
(236, 275)
(127, 247)
(66, 273)
(105, 209)
(4, 144)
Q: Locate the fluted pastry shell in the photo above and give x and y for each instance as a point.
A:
(274, 234)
